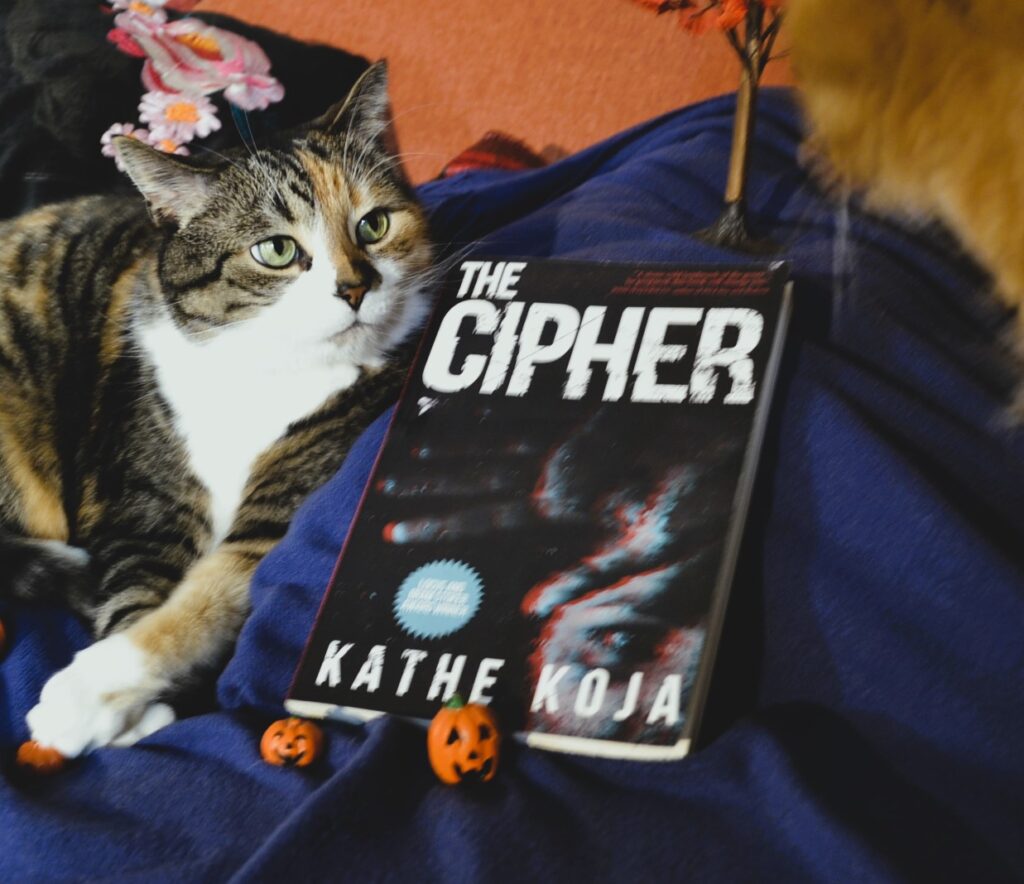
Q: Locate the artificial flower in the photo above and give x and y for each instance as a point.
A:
(732, 12)
(185, 61)
(126, 43)
(150, 9)
(169, 66)
(722, 15)
(191, 56)
(254, 92)
(169, 145)
(698, 20)
(701, 16)
(128, 130)
(178, 116)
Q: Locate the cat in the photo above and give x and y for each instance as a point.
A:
(176, 375)
(917, 103)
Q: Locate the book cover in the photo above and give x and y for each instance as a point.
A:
(553, 521)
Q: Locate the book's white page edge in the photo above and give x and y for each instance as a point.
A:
(605, 748)
(312, 709)
(547, 742)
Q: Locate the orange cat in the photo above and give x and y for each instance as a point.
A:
(919, 104)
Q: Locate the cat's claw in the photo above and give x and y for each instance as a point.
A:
(104, 697)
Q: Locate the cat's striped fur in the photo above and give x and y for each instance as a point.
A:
(166, 401)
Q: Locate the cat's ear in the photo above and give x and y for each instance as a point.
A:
(365, 112)
(175, 189)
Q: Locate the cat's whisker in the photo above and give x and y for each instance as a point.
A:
(220, 155)
(397, 159)
(347, 140)
(249, 145)
(254, 152)
(270, 179)
(371, 136)
(426, 105)
(248, 140)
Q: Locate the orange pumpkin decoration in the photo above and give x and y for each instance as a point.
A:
(463, 742)
(39, 759)
(292, 742)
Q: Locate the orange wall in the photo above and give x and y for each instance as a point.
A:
(552, 72)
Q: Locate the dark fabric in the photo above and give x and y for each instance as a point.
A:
(62, 85)
(870, 707)
(496, 150)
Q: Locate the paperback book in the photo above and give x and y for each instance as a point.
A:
(553, 521)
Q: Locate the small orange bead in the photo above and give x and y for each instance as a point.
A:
(40, 759)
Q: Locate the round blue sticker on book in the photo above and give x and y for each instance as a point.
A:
(438, 598)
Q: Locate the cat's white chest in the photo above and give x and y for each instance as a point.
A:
(232, 400)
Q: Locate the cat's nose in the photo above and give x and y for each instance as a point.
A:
(352, 294)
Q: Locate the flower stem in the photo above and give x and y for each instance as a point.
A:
(731, 228)
(746, 104)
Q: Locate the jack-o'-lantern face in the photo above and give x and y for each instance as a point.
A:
(463, 743)
(291, 742)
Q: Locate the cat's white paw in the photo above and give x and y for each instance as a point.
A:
(105, 696)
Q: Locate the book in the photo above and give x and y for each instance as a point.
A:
(554, 517)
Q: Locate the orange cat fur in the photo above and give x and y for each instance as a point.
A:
(919, 104)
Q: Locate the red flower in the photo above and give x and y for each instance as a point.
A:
(126, 43)
(731, 13)
(701, 16)
(721, 15)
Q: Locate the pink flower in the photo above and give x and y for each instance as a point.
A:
(254, 92)
(178, 117)
(190, 56)
(143, 7)
(168, 145)
(126, 129)
(148, 9)
(126, 43)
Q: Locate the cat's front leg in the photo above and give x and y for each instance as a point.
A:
(106, 695)
(111, 692)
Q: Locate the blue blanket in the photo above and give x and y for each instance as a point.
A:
(869, 710)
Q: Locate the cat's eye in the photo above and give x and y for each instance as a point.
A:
(373, 227)
(277, 252)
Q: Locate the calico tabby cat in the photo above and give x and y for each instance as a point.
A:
(174, 383)
(917, 103)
